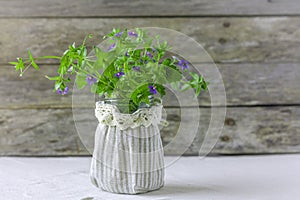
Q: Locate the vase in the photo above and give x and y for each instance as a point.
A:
(128, 155)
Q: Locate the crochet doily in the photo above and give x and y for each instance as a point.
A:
(110, 115)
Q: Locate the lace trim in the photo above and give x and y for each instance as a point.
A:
(110, 115)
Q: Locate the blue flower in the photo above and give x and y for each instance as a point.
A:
(152, 89)
(183, 64)
(136, 68)
(127, 54)
(90, 79)
(119, 74)
(119, 34)
(112, 46)
(131, 33)
(149, 54)
(66, 90)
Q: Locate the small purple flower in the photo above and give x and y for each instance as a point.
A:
(66, 90)
(183, 64)
(119, 74)
(90, 79)
(119, 34)
(149, 54)
(153, 49)
(131, 33)
(136, 68)
(127, 54)
(152, 89)
(112, 46)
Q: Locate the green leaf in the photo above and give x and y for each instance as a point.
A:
(57, 85)
(198, 90)
(20, 65)
(72, 47)
(140, 95)
(67, 80)
(101, 88)
(56, 78)
(160, 89)
(80, 80)
(173, 74)
(100, 55)
(65, 62)
(185, 87)
(134, 96)
(194, 75)
(94, 88)
(167, 62)
(175, 85)
(34, 65)
(13, 63)
(30, 55)
(204, 85)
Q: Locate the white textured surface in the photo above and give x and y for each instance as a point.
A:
(213, 178)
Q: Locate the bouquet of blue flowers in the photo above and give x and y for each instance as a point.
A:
(134, 66)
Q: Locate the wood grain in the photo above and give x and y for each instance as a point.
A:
(52, 132)
(255, 43)
(237, 39)
(245, 84)
(105, 8)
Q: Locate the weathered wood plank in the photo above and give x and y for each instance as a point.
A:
(245, 84)
(103, 8)
(241, 39)
(246, 130)
(38, 132)
(259, 130)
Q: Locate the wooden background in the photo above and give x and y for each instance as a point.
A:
(254, 43)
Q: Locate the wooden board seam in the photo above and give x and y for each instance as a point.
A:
(151, 16)
(66, 106)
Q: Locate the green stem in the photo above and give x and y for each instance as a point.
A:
(42, 58)
(27, 67)
(91, 68)
(98, 78)
(48, 57)
(87, 73)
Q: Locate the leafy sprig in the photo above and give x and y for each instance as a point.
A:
(133, 67)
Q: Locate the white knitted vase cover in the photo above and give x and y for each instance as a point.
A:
(128, 154)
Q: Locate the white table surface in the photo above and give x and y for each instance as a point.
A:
(212, 178)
